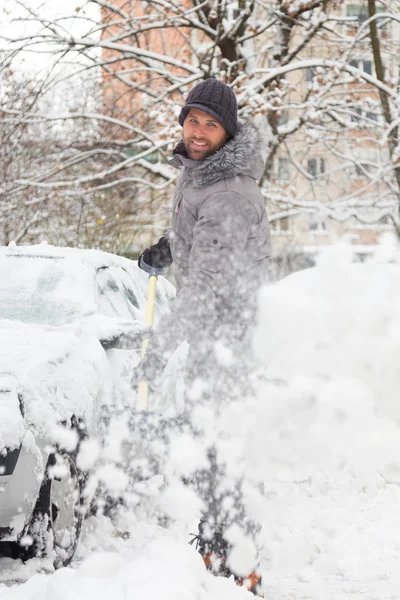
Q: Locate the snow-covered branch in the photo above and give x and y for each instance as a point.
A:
(303, 68)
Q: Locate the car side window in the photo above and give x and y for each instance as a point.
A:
(116, 297)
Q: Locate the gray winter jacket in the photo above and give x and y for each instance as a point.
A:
(220, 240)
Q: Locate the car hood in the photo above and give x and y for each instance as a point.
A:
(26, 348)
(57, 373)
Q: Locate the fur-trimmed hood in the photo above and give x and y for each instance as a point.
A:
(240, 155)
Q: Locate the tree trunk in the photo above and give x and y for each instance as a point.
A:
(387, 113)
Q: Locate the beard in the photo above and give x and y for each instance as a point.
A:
(201, 153)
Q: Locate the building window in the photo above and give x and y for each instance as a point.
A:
(310, 74)
(283, 118)
(284, 224)
(317, 223)
(360, 11)
(312, 166)
(316, 167)
(356, 114)
(386, 221)
(280, 225)
(367, 117)
(363, 168)
(232, 11)
(367, 161)
(367, 66)
(362, 65)
(371, 116)
(283, 169)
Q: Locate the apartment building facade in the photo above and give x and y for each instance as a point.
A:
(340, 172)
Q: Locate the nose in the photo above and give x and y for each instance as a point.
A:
(200, 132)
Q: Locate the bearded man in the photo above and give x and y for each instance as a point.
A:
(220, 248)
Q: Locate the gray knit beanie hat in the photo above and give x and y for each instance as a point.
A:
(216, 99)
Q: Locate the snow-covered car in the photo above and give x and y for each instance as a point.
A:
(71, 327)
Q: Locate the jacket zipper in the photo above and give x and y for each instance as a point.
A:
(178, 203)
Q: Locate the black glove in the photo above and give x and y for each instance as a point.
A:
(150, 369)
(157, 256)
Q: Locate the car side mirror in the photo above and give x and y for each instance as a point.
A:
(118, 333)
(126, 340)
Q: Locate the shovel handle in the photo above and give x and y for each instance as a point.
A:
(143, 390)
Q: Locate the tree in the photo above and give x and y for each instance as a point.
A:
(303, 69)
(388, 110)
(21, 209)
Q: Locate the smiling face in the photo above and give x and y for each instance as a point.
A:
(202, 134)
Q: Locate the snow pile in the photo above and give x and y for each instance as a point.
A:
(115, 567)
(317, 440)
(321, 434)
(332, 334)
(325, 431)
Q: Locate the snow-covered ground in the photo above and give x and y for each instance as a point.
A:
(321, 439)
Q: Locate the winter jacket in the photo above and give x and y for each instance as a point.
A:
(220, 240)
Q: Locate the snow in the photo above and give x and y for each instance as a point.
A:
(318, 442)
(115, 479)
(66, 439)
(89, 452)
(151, 565)
(51, 325)
(41, 361)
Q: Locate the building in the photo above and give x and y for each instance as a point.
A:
(338, 176)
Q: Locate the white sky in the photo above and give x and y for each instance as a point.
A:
(12, 25)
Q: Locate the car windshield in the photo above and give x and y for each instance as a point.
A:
(41, 290)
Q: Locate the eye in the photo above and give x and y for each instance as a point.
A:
(211, 124)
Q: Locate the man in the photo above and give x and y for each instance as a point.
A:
(221, 253)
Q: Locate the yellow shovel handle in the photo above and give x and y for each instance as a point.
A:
(143, 390)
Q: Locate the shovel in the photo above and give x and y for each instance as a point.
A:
(153, 272)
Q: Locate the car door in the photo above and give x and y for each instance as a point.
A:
(169, 399)
(122, 297)
(118, 298)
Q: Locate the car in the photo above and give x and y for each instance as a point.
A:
(71, 330)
